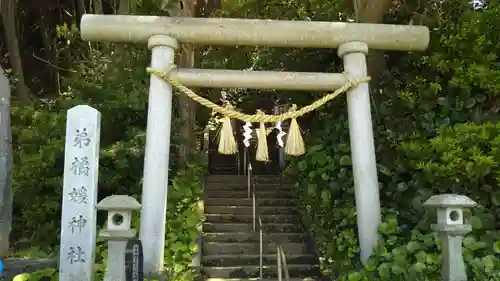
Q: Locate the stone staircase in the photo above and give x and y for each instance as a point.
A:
(231, 250)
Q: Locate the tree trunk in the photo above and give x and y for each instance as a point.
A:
(50, 54)
(373, 11)
(81, 9)
(6, 194)
(98, 8)
(187, 107)
(124, 7)
(9, 10)
(187, 110)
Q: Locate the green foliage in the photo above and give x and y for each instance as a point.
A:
(117, 87)
(460, 159)
(184, 218)
(456, 81)
(425, 146)
(38, 140)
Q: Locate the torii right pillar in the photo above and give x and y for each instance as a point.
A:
(364, 165)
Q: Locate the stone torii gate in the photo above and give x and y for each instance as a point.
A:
(163, 34)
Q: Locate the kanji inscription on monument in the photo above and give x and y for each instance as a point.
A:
(76, 255)
(77, 223)
(81, 138)
(80, 166)
(79, 196)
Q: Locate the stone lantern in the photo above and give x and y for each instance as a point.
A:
(117, 232)
(451, 228)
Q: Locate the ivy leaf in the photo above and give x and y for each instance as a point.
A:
(418, 267)
(416, 203)
(384, 228)
(193, 248)
(384, 170)
(326, 196)
(402, 187)
(400, 253)
(311, 189)
(470, 103)
(495, 198)
(477, 264)
(433, 258)
(371, 266)
(345, 160)
(178, 247)
(496, 247)
(302, 166)
(475, 222)
(384, 270)
(315, 148)
(354, 276)
(489, 262)
(470, 243)
(413, 246)
(421, 257)
(396, 269)
(22, 277)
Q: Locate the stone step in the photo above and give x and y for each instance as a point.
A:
(222, 179)
(254, 237)
(241, 177)
(244, 186)
(243, 181)
(217, 248)
(269, 271)
(248, 210)
(247, 227)
(249, 202)
(232, 218)
(221, 170)
(268, 259)
(217, 193)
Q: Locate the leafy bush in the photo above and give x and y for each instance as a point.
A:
(461, 159)
(38, 140)
(424, 146)
(183, 219)
(117, 87)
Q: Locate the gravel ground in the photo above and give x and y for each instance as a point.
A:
(15, 266)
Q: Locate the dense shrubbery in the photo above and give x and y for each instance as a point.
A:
(38, 140)
(461, 159)
(468, 154)
(118, 89)
(184, 216)
(455, 82)
(424, 147)
(183, 219)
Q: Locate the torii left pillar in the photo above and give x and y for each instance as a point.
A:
(156, 159)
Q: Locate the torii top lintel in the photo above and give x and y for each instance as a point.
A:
(254, 32)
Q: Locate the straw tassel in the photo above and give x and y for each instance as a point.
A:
(262, 151)
(294, 142)
(227, 143)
